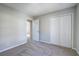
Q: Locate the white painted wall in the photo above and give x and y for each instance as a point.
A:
(44, 23)
(12, 28)
(44, 29)
(76, 29)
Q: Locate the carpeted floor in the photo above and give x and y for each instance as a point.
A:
(34, 48)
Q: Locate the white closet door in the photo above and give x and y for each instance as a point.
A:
(65, 31)
(54, 30)
(60, 30)
(35, 29)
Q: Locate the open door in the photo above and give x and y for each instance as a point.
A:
(35, 29)
(29, 29)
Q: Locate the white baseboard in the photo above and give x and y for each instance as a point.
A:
(12, 47)
(45, 42)
(76, 50)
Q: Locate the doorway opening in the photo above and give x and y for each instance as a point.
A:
(29, 29)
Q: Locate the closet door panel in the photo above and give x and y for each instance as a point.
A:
(54, 30)
(65, 31)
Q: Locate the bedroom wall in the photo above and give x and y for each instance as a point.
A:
(12, 28)
(76, 29)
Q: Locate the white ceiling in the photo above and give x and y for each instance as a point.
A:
(36, 9)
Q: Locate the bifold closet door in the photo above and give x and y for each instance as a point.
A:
(54, 30)
(60, 30)
(65, 30)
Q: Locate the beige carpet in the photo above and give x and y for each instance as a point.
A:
(34, 48)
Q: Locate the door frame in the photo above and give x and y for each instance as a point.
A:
(30, 22)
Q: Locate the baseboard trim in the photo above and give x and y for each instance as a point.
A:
(76, 50)
(12, 47)
(45, 42)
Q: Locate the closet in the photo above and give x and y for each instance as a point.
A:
(61, 30)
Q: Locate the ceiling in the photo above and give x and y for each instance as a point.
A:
(37, 9)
